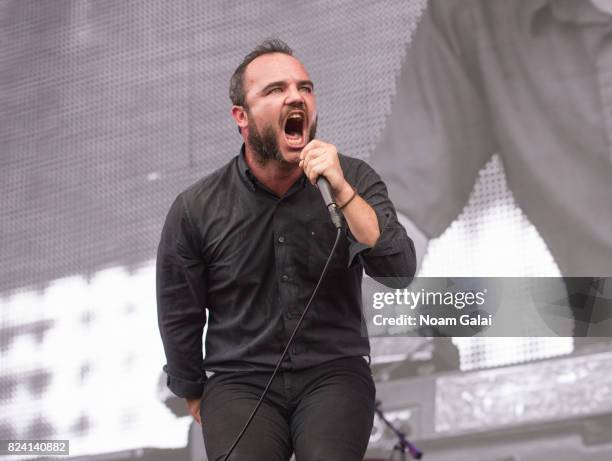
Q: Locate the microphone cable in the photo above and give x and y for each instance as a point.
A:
(289, 343)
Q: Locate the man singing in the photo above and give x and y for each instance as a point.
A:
(248, 243)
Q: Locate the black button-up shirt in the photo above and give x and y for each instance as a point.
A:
(252, 259)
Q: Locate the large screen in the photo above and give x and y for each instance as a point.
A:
(109, 109)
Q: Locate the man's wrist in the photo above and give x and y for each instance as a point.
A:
(345, 194)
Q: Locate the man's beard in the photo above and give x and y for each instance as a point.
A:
(265, 144)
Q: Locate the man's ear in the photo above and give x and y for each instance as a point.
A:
(239, 114)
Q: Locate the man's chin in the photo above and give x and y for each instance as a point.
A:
(291, 154)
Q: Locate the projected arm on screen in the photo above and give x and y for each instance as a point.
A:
(439, 133)
(181, 294)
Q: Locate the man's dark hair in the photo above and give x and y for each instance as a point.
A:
(271, 45)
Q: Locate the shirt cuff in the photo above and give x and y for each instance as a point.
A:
(384, 245)
(184, 388)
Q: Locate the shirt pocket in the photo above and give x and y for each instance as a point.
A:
(321, 235)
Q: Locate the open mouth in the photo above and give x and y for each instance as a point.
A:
(294, 129)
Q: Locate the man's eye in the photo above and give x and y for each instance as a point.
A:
(306, 89)
(275, 90)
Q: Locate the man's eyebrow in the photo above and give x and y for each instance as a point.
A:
(272, 85)
(282, 83)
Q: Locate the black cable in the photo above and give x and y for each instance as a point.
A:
(289, 343)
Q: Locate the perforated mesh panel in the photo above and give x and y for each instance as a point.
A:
(107, 110)
(112, 107)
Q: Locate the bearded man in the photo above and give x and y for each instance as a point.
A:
(248, 243)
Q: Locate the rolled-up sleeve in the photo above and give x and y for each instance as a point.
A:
(392, 260)
(181, 288)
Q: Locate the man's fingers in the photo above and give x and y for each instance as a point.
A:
(193, 405)
(196, 416)
(313, 153)
(315, 143)
(316, 168)
(312, 156)
(312, 146)
(319, 158)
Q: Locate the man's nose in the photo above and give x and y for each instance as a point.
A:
(294, 96)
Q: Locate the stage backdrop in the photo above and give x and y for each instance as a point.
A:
(108, 109)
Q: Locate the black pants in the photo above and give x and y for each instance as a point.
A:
(321, 413)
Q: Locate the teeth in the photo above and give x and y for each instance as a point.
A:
(296, 116)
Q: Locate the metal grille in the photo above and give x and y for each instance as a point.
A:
(111, 108)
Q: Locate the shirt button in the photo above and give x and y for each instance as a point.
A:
(281, 239)
(285, 277)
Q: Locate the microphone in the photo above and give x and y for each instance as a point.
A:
(334, 211)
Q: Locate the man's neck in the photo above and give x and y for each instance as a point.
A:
(276, 176)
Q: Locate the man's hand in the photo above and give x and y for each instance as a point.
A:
(193, 405)
(319, 158)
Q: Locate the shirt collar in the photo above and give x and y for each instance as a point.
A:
(251, 181)
(245, 172)
(580, 12)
